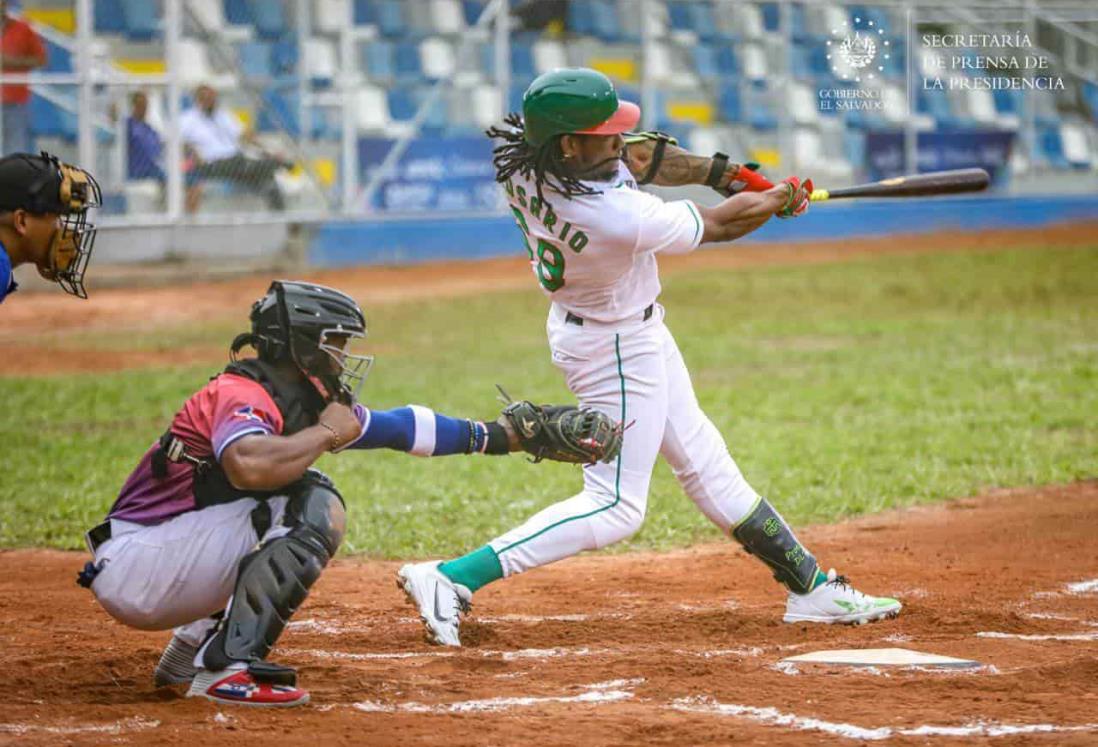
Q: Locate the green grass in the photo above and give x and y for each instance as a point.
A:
(841, 389)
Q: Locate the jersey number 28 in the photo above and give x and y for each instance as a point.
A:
(549, 260)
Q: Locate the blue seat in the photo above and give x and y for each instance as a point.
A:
(280, 112)
(678, 13)
(866, 14)
(402, 105)
(237, 12)
(58, 59)
(1008, 101)
(49, 120)
(486, 52)
(604, 20)
(140, 18)
(1090, 96)
(705, 61)
(522, 61)
(1050, 146)
(254, 58)
(390, 18)
(284, 56)
(107, 17)
(406, 62)
(377, 59)
(269, 18)
(772, 20)
(472, 10)
(514, 96)
(363, 13)
(703, 23)
(730, 104)
(580, 18)
(895, 66)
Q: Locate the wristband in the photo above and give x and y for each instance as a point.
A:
(716, 170)
(498, 443)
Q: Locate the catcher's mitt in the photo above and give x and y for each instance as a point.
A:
(564, 433)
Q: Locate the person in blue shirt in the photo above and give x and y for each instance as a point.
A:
(144, 145)
(44, 206)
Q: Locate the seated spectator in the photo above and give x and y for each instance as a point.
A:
(144, 146)
(212, 140)
(20, 52)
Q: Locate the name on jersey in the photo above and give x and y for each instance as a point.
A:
(573, 237)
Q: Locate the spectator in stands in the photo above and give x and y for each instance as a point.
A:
(144, 147)
(538, 15)
(212, 138)
(20, 52)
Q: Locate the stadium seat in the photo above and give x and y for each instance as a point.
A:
(321, 61)
(406, 62)
(402, 105)
(140, 18)
(1050, 147)
(1090, 96)
(741, 20)
(371, 109)
(364, 13)
(107, 17)
(522, 61)
(1076, 149)
(771, 17)
(210, 14)
(194, 62)
(472, 9)
(754, 62)
(486, 106)
(437, 58)
(284, 56)
(377, 60)
(390, 18)
(800, 102)
(237, 12)
(705, 61)
(730, 104)
(254, 59)
(270, 18)
(446, 17)
(679, 17)
(580, 18)
(332, 16)
(548, 54)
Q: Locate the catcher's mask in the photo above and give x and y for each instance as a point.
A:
(313, 326)
(44, 185)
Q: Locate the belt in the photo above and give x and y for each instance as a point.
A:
(97, 535)
(571, 318)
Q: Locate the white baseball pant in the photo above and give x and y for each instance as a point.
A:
(634, 372)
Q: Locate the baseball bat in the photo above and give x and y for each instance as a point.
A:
(916, 185)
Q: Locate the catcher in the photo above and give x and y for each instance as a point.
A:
(570, 168)
(44, 219)
(223, 527)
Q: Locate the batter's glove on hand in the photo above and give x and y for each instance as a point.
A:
(563, 433)
(738, 177)
(798, 197)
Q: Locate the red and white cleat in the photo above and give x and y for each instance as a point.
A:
(238, 686)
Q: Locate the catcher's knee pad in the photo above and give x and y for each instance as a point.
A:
(765, 534)
(274, 580)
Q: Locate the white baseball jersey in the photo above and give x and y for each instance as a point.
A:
(595, 255)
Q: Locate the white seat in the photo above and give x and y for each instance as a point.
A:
(209, 13)
(194, 66)
(446, 16)
(487, 106)
(332, 16)
(321, 58)
(981, 106)
(893, 103)
(371, 108)
(801, 101)
(549, 54)
(753, 59)
(739, 17)
(1076, 147)
(436, 56)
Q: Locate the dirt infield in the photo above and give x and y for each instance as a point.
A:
(39, 325)
(679, 648)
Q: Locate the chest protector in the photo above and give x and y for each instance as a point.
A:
(297, 401)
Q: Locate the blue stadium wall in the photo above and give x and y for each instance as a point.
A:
(421, 239)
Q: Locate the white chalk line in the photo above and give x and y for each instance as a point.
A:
(1039, 636)
(1075, 588)
(118, 727)
(774, 717)
(526, 653)
(596, 693)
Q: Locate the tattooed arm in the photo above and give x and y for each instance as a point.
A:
(679, 167)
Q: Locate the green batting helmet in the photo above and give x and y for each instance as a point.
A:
(575, 100)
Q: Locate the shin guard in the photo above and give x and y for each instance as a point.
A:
(764, 534)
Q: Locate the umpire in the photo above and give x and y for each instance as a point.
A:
(44, 206)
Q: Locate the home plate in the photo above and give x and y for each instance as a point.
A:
(881, 657)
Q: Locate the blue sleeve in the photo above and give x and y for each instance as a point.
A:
(420, 431)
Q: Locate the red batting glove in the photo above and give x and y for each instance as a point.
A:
(797, 202)
(750, 179)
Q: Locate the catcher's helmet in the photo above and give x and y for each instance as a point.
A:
(575, 100)
(296, 320)
(44, 185)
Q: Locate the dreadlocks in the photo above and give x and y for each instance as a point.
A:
(517, 155)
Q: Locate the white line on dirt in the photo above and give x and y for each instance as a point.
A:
(1083, 587)
(597, 693)
(526, 653)
(774, 717)
(118, 727)
(1039, 636)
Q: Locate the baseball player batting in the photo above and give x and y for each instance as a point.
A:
(223, 527)
(570, 169)
(44, 219)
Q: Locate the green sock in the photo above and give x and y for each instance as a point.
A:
(474, 570)
(821, 578)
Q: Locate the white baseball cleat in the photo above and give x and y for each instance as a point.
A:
(439, 600)
(836, 601)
